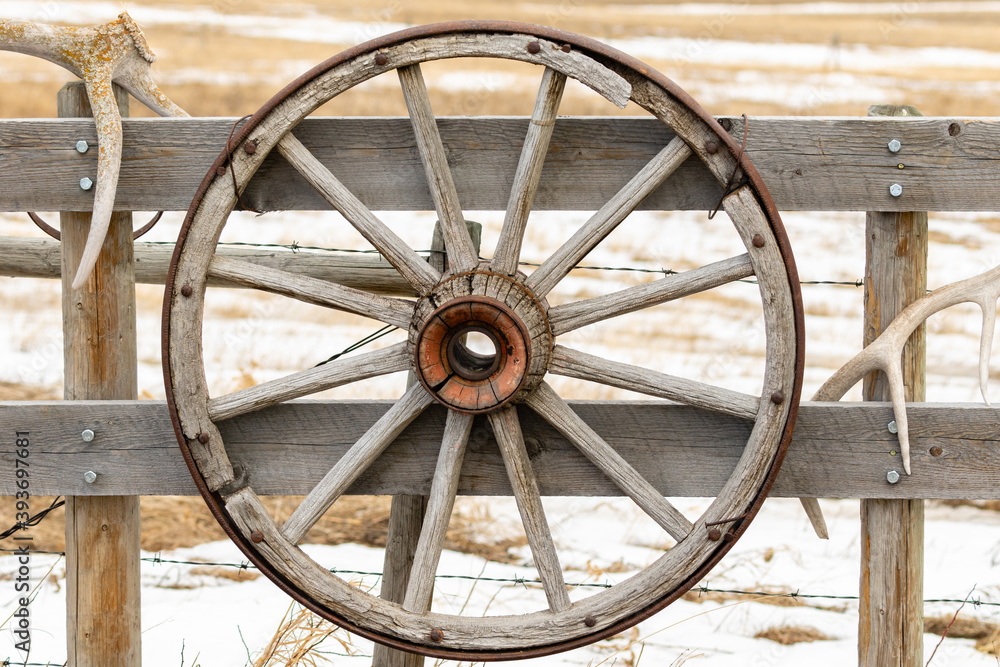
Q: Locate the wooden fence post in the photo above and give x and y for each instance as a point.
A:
(890, 630)
(406, 515)
(99, 340)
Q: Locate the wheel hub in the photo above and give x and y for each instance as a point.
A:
(514, 341)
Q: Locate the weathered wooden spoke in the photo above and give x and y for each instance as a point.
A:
(410, 265)
(356, 461)
(440, 503)
(331, 374)
(573, 363)
(602, 223)
(555, 411)
(507, 429)
(529, 171)
(567, 317)
(500, 377)
(398, 312)
(461, 252)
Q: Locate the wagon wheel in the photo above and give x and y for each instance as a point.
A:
(511, 310)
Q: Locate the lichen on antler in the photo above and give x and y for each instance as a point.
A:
(885, 352)
(115, 52)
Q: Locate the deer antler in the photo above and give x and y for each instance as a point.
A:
(884, 354)
(114, 52)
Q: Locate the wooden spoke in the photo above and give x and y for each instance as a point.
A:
(461, 253)
(570, 316)
(529, 171)
(410, 265)
(355, 461)
(573, 363)
(312, 290)
(332, 374)
(609, 216)
(439, 506)
(507, 430)
(554, 410)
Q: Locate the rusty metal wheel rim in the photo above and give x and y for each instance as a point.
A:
(420, 637)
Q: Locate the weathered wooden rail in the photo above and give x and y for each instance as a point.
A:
(809, 164)
(839, 450)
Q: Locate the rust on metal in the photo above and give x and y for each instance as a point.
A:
(936, 451)
(256, 537)
(778, 397)
(203, 438)
(758, 241)
(186, 290)
(463, 379)
(437, 635)
(381, 59)
(732, 185)
(590, 621)
(232, 168)
(714, 534)
(534, 47)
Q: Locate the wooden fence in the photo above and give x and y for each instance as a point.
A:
(819, 164)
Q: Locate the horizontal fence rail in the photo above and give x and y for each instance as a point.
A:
(838, 450)
(817, 164)
(25, 257)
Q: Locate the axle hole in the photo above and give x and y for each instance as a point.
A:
(477, 356)
(480, 344)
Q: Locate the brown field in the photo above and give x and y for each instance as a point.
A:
(28, 86)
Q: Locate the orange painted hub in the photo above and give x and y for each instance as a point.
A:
(464, 379)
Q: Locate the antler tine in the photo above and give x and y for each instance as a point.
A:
(885, 352)
(109, 155)
(989, 307)
(113, 52)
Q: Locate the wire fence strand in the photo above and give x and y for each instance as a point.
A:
(294, 246)
(524, 581)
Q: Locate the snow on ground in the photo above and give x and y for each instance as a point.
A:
(189, 608)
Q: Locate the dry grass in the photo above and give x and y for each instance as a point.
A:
(962, 627)
(10, 391)
(776, 596)
(990, 505)
(786, 635)
(986, 634)
(185, 49)
(296, 641)
(227, 573)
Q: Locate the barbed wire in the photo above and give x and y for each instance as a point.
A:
(294, 246)
(524, 581)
